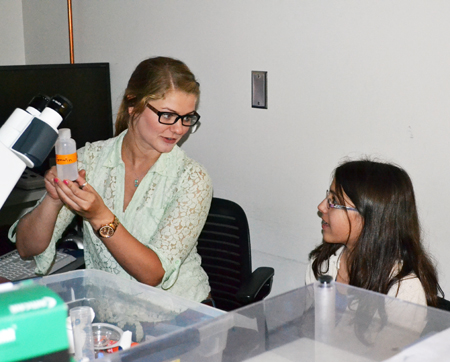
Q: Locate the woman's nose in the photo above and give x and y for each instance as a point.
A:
(323, 207)
(178, 127)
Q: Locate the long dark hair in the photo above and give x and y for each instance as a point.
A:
(390, 237)
(152, 79)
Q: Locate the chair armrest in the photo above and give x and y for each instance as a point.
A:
(257, 287)
(443, 304)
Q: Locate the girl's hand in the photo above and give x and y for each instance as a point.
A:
(82, 198)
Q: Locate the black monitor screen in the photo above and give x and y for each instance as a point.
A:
(86, 85)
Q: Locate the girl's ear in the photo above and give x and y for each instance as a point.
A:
(130, 110)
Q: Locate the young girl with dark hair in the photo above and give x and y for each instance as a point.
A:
(371, 234)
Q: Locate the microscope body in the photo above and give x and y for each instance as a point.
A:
(28, 136)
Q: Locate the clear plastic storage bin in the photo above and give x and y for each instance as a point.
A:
(164, 325)
(336, 323)
(340, 323)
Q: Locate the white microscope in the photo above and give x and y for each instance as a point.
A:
(28, 136)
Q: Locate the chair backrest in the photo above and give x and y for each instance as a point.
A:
(224, 245)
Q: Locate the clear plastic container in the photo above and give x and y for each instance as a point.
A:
(106, 335)
(360, 325)
(164, 325)
(82, 333)
(333, 323)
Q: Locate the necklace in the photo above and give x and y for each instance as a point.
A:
(128, 153)
(136, 180)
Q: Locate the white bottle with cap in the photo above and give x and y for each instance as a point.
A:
(66, 156)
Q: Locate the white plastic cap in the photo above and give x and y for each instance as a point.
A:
(64, 133)
(125, 340)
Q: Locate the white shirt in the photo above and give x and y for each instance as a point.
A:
(410, 288)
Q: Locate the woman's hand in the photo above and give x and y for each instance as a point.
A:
(82, 198)
(50, 184)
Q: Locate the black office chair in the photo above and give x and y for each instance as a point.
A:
(224, 245)
(72, 237)
(443, 304)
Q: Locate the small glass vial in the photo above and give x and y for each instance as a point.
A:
(66, 156)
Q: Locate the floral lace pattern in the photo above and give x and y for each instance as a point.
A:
(167, 213)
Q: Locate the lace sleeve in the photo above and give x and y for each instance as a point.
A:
(182, 223)
(45, 259)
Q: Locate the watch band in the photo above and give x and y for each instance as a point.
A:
(108, 230)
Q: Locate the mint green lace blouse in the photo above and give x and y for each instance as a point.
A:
(167, 213)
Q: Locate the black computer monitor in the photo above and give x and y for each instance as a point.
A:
(86, 85)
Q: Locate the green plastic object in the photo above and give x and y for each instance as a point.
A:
(32, 324)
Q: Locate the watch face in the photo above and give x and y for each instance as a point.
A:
(106, 231)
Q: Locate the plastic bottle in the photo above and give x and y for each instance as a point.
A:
(66, 156)
(325, 309)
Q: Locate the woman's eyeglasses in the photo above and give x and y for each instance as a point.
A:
(332, 205)
(169, 118)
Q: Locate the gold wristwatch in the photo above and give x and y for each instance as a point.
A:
(108, 230)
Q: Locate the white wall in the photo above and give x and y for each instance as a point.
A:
(345, 78)
(12, 50)
(46, 32)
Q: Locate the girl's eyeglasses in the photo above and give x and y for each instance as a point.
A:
(332, 205)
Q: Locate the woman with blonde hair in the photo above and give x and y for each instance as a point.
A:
(142, 199)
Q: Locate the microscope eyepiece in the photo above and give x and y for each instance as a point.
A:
(39, 102)
(61, 105)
